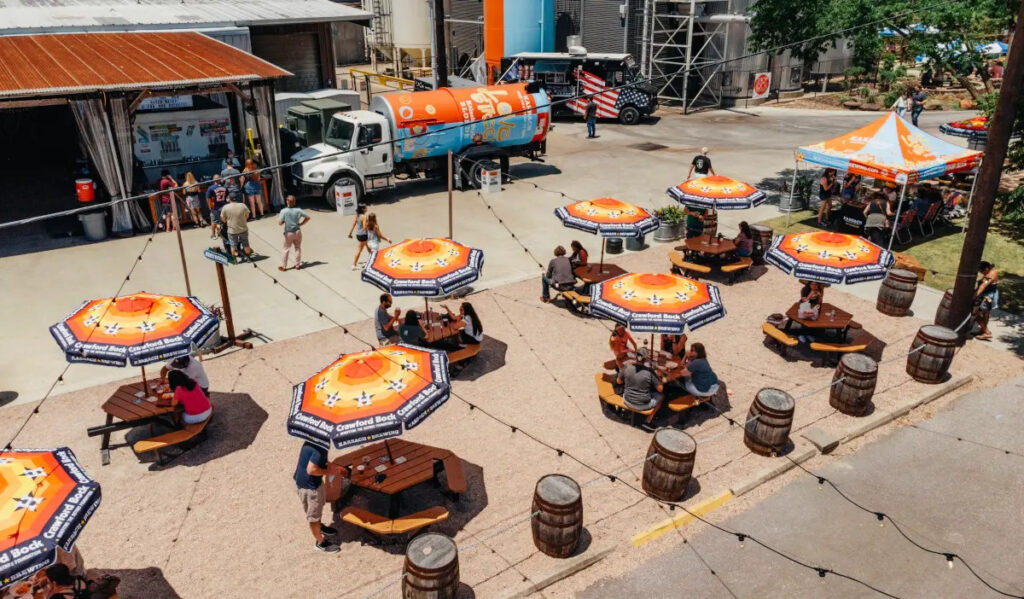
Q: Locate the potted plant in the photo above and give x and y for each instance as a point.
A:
(669, 218)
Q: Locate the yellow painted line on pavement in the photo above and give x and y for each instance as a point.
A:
(704, 507)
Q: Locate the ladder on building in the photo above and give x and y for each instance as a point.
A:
(380, 40)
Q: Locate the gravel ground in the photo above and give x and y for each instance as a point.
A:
(223, 520)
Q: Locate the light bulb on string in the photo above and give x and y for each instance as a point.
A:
(949, 560)
(741, 538)
(881, 519)
(821, 483)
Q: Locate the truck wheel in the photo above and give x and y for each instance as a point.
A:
(472, 173)
(329, 191)
(629, 115)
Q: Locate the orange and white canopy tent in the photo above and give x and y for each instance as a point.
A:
(891, 149)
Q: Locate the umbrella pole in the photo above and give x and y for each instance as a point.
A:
(601, 265)
(792, 191)
(426, 310)
(970, 197)
(896, 219)
(145, 383)
(387, 447)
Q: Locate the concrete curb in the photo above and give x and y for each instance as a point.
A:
(799, 456)
(876, 420)
(700, 509)
(568, 567)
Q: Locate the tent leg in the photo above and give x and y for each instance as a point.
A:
(792, 191)
(896, 219)
(970, 198)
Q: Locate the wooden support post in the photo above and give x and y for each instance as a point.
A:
(225, 300)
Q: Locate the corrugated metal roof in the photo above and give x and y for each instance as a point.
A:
(42, 16)
(75, 63)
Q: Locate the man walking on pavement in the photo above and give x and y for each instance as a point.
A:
(590, 113)
(292, 219)
(917, 105)
(701, 164)
(234, 217)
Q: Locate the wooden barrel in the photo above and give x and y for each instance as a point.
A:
(767, 426)
(669, 464)
(558, 505)
(852, 396)
(897, 292)
(942, 313)
(431, 568)
(710, 222)
(762, 239)
(931, 353)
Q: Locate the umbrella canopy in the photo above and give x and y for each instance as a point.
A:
(607, 217)
(657, 303)
(369, 395)
(829, 257)
(45, 500)
(974, 127)
(718, 193)
(890, 148)
(142, 328)
(426, 267)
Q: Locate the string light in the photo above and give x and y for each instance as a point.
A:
(949, 560)
(741, 538)
(881, 519)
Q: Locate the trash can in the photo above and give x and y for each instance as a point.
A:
(94, 224)
(635, 244)
(613, 245)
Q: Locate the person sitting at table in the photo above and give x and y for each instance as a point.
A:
(60, 582)
(876, 215)
(473, 333)
(558, 275)
(192, 368)
(744, 241)
(411, 331)
(579, 255)
(619, 343)
(187, 392)
(701, 381)
(809, 309)
(812, 289)
(827, 188)
(675, 345)
(643, 389)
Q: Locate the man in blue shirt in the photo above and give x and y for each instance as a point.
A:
(216, 198)
(309, 479)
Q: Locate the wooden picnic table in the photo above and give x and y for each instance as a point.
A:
(704, 244)
(409, 464)
(597, 273)
(438, 330)
(825, 322)
(134, 405)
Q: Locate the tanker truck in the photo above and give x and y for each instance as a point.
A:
(406, 135)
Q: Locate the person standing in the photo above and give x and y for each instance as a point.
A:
(292, 219)
(232, 181)
(235, 215)
(229, 161)
(590, 113)
(917, 105)
(384, 324)
(900, 105)
(253, 189)
(216, 199)
(192, 200)
(309, 481)
(986, 298)
(167, 183)
(373, 233)
(694, 221)
(827, 188)
(701, 165)
(359, 226)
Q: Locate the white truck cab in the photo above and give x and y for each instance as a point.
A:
(369, 167)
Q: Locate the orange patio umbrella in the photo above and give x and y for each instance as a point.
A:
(370, 395)
(607, 217)
(657, 302)
(973, 127)
(828, 257)
(716, 192)
(45, 500)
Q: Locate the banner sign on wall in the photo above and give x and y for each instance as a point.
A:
(762, 85)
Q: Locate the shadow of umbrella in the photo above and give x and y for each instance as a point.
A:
(237, 419)
(491, 358)
(7, 397)
(415, 499)
(145, 582)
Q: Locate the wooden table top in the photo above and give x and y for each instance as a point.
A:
(704, 245)
(665, 365)
(438, 331)
(417, 465)
(596, 273)
(128, 406)
(841, 321)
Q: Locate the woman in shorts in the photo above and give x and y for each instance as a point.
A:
(192, 200)
(359, 227)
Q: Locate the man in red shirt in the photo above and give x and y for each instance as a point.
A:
(166, 182)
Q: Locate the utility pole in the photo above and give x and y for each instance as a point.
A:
(440, 47)
(988, 178)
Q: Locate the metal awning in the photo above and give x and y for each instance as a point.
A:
(51, 65)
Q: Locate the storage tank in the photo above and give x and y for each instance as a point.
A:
(514, 26)
(413, 113)
(401, 30)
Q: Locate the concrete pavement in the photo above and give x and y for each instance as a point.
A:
(949, 495)
(755, 145)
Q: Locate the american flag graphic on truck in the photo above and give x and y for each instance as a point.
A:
(610, 102)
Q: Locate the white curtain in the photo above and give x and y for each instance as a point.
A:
(124, 138)
(266, 125)
(98, 138)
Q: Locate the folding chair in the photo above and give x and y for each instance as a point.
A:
(928, 218)
(904, 225)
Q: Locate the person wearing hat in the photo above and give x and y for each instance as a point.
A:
(192, 368)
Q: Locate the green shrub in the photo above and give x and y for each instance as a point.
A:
(864, 92)
(888, 61)
(670, 214)
(1011, 206)
(901, 71)
(886, 79)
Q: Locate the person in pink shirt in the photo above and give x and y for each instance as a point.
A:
(188, 393)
